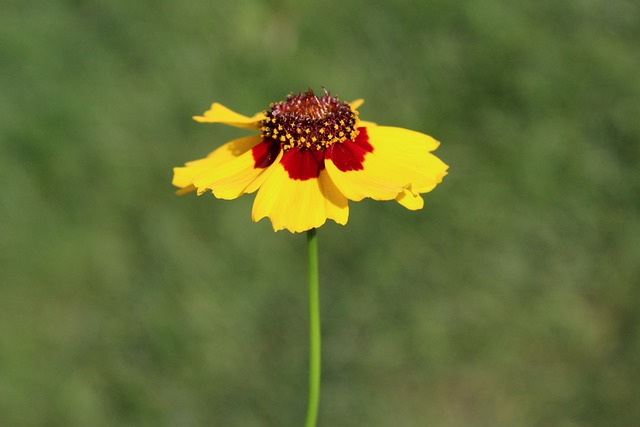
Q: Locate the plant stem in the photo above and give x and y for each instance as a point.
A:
(314, 331)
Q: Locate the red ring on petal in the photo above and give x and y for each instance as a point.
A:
(349, 155)
(303, 163)
(265, 153)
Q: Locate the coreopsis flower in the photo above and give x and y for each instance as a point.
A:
(313, 154)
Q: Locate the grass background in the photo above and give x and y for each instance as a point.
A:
(512, 299)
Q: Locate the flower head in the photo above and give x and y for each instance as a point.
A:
(312, 155)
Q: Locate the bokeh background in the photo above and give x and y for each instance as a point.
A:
(512, 299)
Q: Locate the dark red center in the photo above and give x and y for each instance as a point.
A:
(306, 120)
(309, 129)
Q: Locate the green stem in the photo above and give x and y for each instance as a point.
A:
(314, 331)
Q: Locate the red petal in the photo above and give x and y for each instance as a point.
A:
(349, 155)
(303, 163)
(265, 153)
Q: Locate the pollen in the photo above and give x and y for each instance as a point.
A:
(309, 121)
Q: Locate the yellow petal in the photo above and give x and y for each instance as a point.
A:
(183, 176)
(410, 200)
(299, 205)
(399, 166)
(411, 151)
(260, 179)
(227, 172)
(375, 180)
(186, 190)
(356, 103)
(218, 113)
(402, 141)
(232, 179)
(232, 149)
(336, 204)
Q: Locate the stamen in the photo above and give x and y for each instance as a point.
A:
(306, 120)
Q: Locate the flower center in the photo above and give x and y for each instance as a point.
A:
(306, 120)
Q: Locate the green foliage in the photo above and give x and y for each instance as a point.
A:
(510, 300)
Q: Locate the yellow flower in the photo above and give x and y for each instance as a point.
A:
(312, 155)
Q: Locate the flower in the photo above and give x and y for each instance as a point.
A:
(312, 155)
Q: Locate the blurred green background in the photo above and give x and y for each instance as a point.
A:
(512, 299)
